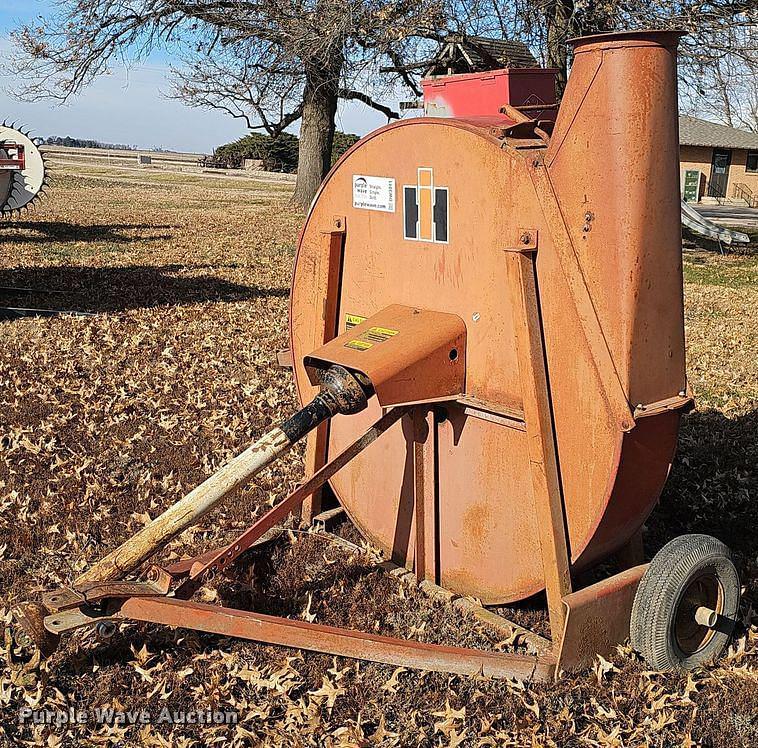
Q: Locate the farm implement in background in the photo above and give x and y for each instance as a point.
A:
(710, 230)
(23, 183)
(22, 171)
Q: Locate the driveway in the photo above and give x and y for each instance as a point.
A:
(730, 215)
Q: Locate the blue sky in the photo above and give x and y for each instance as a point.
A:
(129, 105)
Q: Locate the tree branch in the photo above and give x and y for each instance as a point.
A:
(346, 93)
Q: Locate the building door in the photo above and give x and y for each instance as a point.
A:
(719, 180)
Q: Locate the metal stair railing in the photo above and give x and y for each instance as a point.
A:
(743, 192)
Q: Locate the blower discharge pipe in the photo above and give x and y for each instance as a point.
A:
(341, 392)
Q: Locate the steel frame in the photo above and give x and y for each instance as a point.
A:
(584, 622)
(329, 281)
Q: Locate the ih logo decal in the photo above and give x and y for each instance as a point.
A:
(425, 209)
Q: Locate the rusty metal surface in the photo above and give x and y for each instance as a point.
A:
(609, 385)
(328, 269)
(597, 618)
(31, 617)
(425, 496)
(494, 412)
(284, 359)
(622, 95)
(683, 403)
(223, 557)
(408, 353)
(62, 599)
(336, 641)
(66, 598)
(547, 492)
(612, 175)
(184, 566)
(158, 584)
(535, 643)
(66, 621)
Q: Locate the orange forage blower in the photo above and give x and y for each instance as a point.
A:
(488, 343)
(430, 207)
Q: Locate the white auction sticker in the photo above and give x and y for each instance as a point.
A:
(374, 193)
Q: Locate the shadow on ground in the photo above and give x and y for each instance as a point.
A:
(116, 289)
(62, 232)
(713, 485)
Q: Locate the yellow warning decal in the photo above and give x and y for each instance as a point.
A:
(351, 320)
(371, 336)
(359, 345)
(379, 334)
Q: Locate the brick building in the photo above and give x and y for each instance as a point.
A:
(717, 163)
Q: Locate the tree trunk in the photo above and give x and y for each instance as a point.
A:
(558, 15)
(317, 129)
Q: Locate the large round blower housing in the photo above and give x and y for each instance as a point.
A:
(425, 212)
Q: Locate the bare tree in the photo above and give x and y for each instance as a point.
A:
(719, 72)
(718, 62)
(268, 62)
(246, 84)
(271, 63)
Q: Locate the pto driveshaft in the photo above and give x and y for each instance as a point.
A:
(341, 392)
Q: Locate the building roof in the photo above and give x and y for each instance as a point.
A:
(505, 52)
(694, 131)
(476, 54)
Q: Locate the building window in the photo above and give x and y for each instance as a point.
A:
(751, 165)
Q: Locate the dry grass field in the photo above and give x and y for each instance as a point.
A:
(107, 419)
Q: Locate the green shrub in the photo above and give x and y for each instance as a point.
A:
(277, 154)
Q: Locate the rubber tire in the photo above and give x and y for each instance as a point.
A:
(660, 591)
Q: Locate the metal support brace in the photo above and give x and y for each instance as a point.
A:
(602, 359)
(540, 429)
(328, 292)
(425, 494)
(225, 556)
(338, 641)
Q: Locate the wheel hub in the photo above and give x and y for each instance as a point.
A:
(705, 591)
